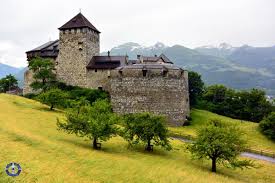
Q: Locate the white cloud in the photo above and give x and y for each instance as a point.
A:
(27, 24)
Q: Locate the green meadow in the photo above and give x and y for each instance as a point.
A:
(28, 136)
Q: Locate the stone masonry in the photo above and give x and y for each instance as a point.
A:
(157, 91)
(76, 48)
(148, 84)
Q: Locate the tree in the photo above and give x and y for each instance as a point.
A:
(267, 126)
(97, 122)
(147, 128)
(53, 98)
(221, 143)
(7, 83)
(248, 105)
(215, 94)
(43, 73)
(196, 87)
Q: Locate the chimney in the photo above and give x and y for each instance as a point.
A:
(108, 53)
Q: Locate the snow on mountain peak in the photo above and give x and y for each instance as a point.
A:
(225, 46)
(159, 45)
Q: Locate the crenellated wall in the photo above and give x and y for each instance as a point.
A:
(158, 91)
(76, 48)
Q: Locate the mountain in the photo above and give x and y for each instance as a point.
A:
(20, 76)
(6, 69)
(255, 57)
(133, 49)
(223, 64)
(17, 72)
(223, 50)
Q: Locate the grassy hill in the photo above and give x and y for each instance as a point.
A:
(256, 140)
(28, 136)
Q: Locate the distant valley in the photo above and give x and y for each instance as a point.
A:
(237, 67)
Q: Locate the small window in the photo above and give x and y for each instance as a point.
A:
(100, 88)
(144, 73)
(95, 70)
(165, 73)
(120, 72)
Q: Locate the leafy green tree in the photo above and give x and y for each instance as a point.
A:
(267, 126)
(146, 127)
(215, 94)
(43, 73)
(221, 144)
(53, 98)
(97, 122)
(7, 83)
(196, 87)
(248, 105)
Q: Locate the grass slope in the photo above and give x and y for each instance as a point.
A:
(255, 139)
(28, 136)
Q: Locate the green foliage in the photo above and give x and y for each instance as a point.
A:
(196, 87)
(96, 122)
(7, 83)
(53, 98)
(76, 92)
(43, 73)
(247, 105)
(146, 127)
(222, 143)
(267, 126)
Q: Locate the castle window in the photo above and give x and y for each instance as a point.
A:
(100, 88)
(165, 73)
(120, 72)
(144, 73)
(95, 70)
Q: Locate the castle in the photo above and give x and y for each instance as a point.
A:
(148, 84)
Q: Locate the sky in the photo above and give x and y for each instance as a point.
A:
(191, 23)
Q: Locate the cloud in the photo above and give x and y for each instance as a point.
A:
(28, 24)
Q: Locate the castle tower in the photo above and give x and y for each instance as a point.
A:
(78, 43)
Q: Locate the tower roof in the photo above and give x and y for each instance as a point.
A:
(79, 21)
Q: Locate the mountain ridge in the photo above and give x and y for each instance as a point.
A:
(242, 67)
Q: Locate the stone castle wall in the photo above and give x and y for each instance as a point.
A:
(167, 94)
(76, 48)
(28, 79)
(98, 78)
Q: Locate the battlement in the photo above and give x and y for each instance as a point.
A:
(146, 70)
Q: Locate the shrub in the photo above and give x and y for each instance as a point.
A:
(267, 126)
(53, 98)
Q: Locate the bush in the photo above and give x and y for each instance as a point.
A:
(247, 105)
(76, 92)
(53, 98)
(267, 126)
(31, 95)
